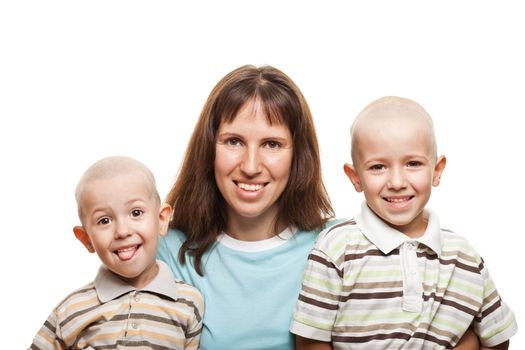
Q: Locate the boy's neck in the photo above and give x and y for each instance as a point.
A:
(144, 278)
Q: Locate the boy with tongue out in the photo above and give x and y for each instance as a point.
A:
(392, 278)
(134, 301)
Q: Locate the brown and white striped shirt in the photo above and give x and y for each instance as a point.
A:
(368, 286)
(110, 314)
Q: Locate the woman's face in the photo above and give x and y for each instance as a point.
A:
(252, 164)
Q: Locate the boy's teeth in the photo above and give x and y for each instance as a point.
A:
(398, 200)
(250, 187)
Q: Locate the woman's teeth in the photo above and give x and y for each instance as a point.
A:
(250, 187)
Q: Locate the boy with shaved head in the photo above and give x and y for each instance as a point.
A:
(392, 278)
(134, 301)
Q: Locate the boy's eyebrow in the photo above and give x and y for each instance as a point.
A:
(140, 199)
(103, 207)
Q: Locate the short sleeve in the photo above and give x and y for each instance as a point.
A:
(495, 323)
(317, 307)
(48, 337)
(194, 327)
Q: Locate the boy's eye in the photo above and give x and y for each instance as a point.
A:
(414, 163)
(377, 167)
(104, 221)
(136, 212)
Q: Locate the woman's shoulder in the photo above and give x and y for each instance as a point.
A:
(169, 243)
(173, 236)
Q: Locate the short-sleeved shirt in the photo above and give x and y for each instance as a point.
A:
(109, 314)
(369, 286)
(250, 288)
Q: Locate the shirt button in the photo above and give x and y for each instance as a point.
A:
(134, 325)
(137, 297)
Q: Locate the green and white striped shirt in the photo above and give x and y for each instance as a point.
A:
(369, 286)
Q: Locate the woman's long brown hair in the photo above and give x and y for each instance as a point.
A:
(199, 210)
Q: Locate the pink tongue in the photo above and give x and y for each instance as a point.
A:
(126, 254)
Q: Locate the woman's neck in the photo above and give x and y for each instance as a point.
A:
(253, 229)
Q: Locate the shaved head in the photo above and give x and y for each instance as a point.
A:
(391, 112)
(111, 167)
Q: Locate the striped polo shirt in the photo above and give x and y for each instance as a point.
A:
(109, 314)
(369, 286)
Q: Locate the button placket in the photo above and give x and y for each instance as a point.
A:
(412, 288)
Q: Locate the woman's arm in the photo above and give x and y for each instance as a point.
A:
(502, 346)
(311, 344)
(469, 341)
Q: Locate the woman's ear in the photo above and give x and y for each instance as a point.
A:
(83, 237)
(438, 170)
(165, 214)
(352, 174)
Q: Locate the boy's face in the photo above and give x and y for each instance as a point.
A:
(395, 167)
(121, 221)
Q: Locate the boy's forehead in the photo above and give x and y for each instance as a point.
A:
(392, 110)
(131, 182)
(389, 115)
(115, 169)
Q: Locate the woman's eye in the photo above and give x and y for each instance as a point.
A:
(272, 144)
(233, 142)
(104, 221)
(136, 212)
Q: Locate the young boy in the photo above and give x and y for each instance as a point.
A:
(134, 301)
(392, 278)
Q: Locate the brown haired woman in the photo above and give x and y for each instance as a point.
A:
(248, 203)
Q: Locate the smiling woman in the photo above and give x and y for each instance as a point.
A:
(242, 228)
(252, 168)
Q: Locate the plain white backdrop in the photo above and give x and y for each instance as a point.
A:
(83, 80)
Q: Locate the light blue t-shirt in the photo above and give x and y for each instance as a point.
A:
(250, 288)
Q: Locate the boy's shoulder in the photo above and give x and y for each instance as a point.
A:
(337, 238)
(79, 298)
(456, 246)
(338, 227)
(180, 291)
(189, 292)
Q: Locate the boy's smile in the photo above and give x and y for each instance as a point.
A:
(396, 167)
(121, 221)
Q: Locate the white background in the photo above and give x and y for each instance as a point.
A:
(84, 80)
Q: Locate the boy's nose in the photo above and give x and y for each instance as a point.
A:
(122, 230)
(396, 180)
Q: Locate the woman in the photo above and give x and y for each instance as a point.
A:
(248, 203)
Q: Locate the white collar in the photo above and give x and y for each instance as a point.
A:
(387, 238)
(257, 246)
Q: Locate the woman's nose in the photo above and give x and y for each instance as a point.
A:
(251, 161)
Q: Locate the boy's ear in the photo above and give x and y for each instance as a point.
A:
(83, 237)
(164, 218)
(353, 176)
(438, 170)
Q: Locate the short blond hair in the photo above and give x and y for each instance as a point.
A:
(110, 167)
(391, 107)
